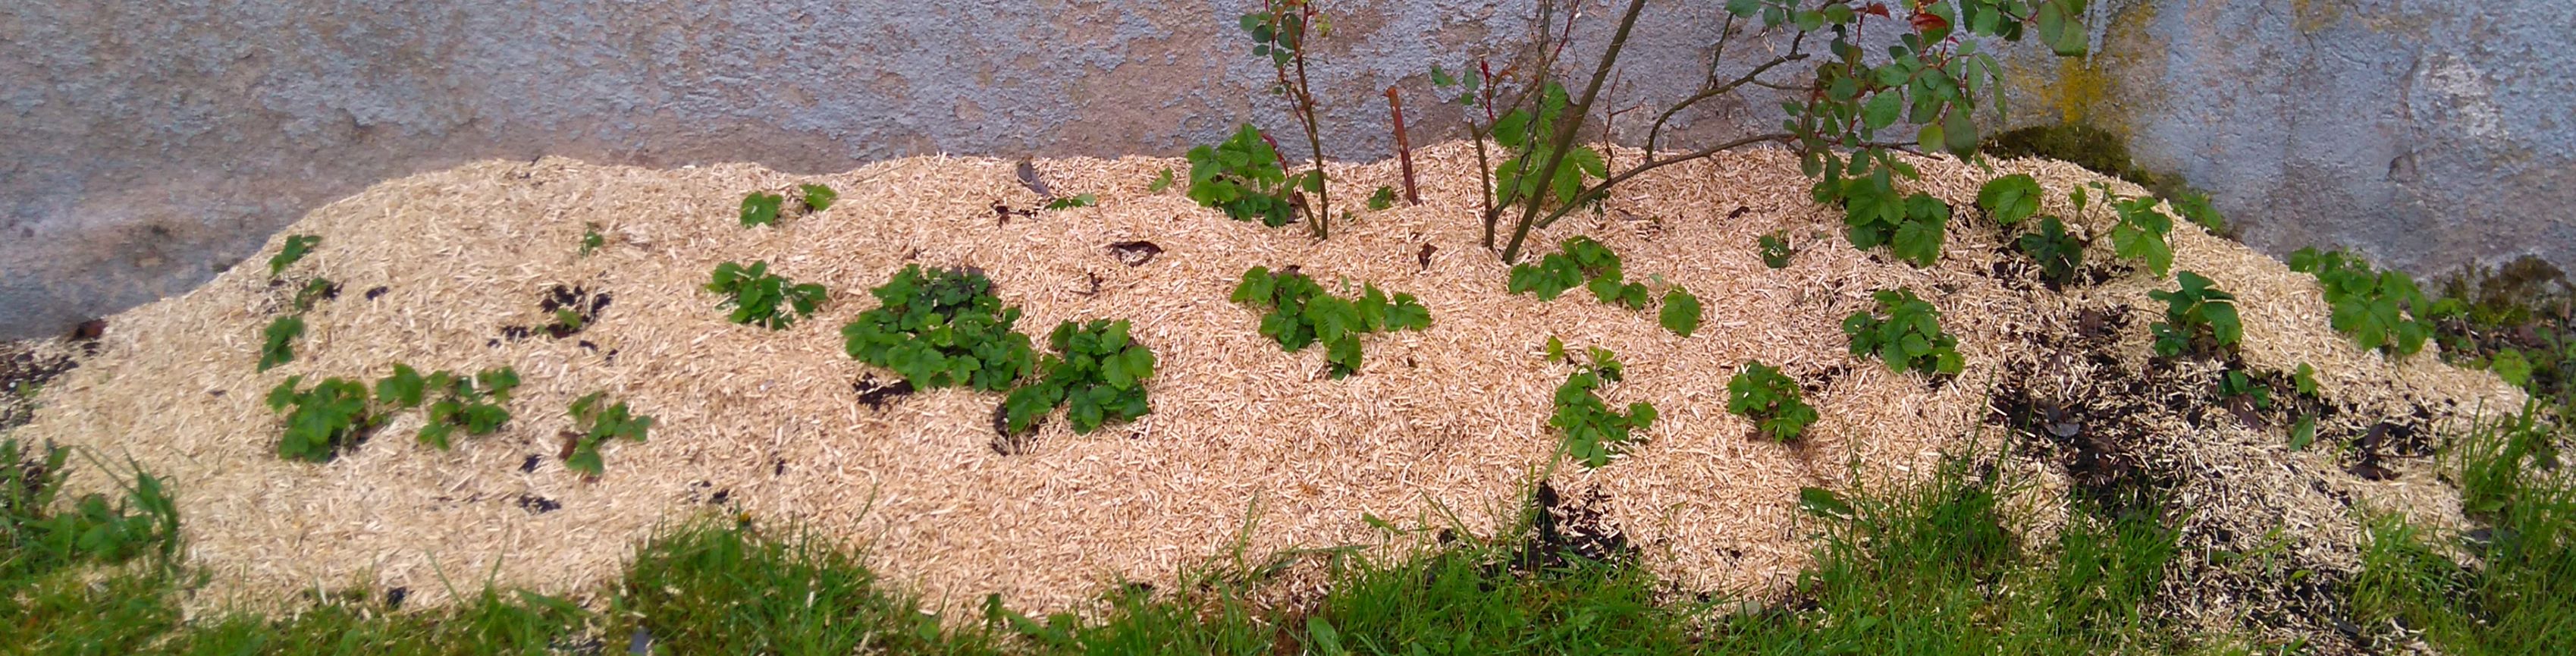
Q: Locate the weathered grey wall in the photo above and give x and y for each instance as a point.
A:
(2429, 135)
(145, 144)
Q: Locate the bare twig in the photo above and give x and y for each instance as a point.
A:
(1403, 148)
(1566, 124)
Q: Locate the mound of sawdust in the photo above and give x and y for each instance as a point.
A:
(448, 270)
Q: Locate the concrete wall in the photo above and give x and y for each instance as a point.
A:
(146, 144)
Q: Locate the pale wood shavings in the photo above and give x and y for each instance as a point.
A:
(1446, 420)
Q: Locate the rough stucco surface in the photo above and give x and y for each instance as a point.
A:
(147, 144)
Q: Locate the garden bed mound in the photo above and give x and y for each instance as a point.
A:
(1247, 446)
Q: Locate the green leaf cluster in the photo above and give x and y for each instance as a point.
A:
(1381, 199)
(314, 292)
(326, 419)
(599, 421)
(1776, 251)
(297, 246)
(1772, 400)
(1276, 35)
(2059, 254)
(2237, 384)
(1101, 375)
(2009, 199)
(1302, 314)
(1592, 430)
(1080, 200)
(761, 208)
(476, 405)
(1242, 178)
(1580, 261)
(755, 295)
(2139, 234)
(941, 328)
(277, 342)
(2379, 309)
(1530, 138)
(818, 197)
(1909, 336)
(591, 239)
(1913, 227)
(2192, 312)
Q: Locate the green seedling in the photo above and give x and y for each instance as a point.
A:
(595, 421)
(327, 419)
(1592, 430)
(2059, 254)
(278, 341)
(1162, 181)
(1776, 251)
(1083, 200)
(2009, 199)
(1681, 313)
(2195, 314)
(1382, 199)
(2378, 309)
(591, 239)
(1299, 313)
(1907, 336)
(818, 197)
(1101, 374)
(1913, 227)
(941, 328)
(761, 208)
(297, 246)
(756, 295)
(1772, 400)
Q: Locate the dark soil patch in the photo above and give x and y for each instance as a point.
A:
(583, 304)
(877, 393)
(537, 505)
(1135, 253)
(1563, 529)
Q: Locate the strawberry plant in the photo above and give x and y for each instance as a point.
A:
(1384, 198)
(2239, 387)
(1912, 227)
(1592, 430)
(327, 419)
(1681, 312)
(2196, 314)
(1908, 336)
(315, 291)
(755, 295)
(1761, 393)
(817, 197)
(2059, 254)
(278, 341)
(297, 246)
(1302, 314)
(761, 208)
(1775, 250)
(1243, 178)
(941, 328)
(475, 405)
(1580, 261)
(595, 420)
(2140, 231)
(2379, 309)
(2009, 199)
(1101, 375)
(591, 239)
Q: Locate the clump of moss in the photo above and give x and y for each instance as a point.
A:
(2518, 320)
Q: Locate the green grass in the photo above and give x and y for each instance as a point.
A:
(2517, 592)
(1926, 569)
